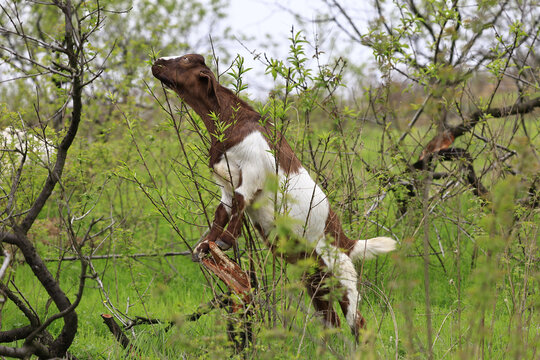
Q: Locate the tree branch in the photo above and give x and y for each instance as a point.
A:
(30, 315)
(116, 330)
(8, 238)
(446, 138)
(518, 108)
(15, 334)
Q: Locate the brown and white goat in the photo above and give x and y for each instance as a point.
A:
(243, 159)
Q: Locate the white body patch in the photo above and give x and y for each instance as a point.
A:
(247, 166)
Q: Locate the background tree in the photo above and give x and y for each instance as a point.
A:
(63, 67)
(470, 63)
(68, 63)
(449, 70)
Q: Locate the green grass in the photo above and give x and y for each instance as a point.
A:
(154, 289)
(492, 317)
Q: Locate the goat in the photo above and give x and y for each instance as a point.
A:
(242, 160)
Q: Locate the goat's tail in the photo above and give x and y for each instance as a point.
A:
(368, 249)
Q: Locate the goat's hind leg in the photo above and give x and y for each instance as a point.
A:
(318, 292)
(342, 267)
(350, 309)
(348, 279)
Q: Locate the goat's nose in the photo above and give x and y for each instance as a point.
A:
(156, 68)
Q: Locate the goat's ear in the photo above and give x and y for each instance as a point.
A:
(211, 89)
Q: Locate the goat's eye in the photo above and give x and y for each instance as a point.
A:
(184, 59)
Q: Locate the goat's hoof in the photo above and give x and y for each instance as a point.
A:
(200, 251)
(222, 245)
(196, 257)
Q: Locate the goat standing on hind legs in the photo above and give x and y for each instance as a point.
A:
(243, 157)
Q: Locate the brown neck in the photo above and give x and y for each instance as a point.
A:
(241, 120)
(203, 107)
(228, 107)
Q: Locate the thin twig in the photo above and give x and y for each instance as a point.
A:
(119, 256)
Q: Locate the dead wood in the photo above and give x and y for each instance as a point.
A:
(229, 272)
(116, 330)
(239, 328)
(439, 148)
(445, 138)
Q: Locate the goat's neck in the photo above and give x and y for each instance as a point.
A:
(231, 112)
(204, 109)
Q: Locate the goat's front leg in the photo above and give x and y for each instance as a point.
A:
(251, 179)
(221, 218)
(228, 237)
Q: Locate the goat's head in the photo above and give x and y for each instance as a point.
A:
(190, 78)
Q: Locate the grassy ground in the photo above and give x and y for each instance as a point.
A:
(482, 279)
(172, 289)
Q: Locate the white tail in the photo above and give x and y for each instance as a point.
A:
(368, 249)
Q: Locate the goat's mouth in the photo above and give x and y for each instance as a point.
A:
(157, 71)
(166, 83)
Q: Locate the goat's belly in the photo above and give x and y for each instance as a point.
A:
(300, 199)
(262, 215)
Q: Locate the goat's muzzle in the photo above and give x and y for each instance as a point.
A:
(158, 67)
(158, 71)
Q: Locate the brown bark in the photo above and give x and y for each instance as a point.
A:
(116, 330)
(239, 328)
(228, 271)
(446, 137)
(440, 147)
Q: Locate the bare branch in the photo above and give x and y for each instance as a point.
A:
(120, 256)
(468, 46)
(29, 313)
(21, 57)
(9, 238)
(518, 108)
(425, 21)
(38, 42)
(5, 263)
